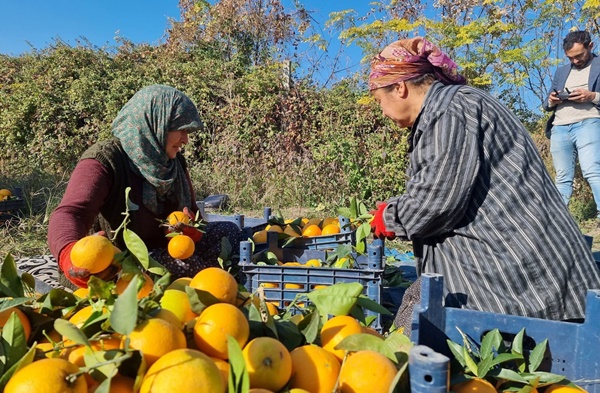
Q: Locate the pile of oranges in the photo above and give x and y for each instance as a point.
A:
(301, 227)
(177, 346)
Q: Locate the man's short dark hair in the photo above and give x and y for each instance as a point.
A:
(577, 37)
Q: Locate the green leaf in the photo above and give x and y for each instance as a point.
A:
(100, 288)
(537, 355)
(400, 344)
(544, 378)
(484, 366)
(457, 351)
(200, 299)
(309, 327)
(490, 342)
(29, 281)
(517, 344)
(24, 361)
(130, 205)
(261, 314)
(70, 331)
(506, 357)
(364, 341)
(6, 303)
(10, 281)
(289, 334)
(123, 317)
(239, 382)
(155, 267)
(369, 304)
(14, 342)
(137, 247)
(508, 375)
(469, 362)
(401, 382)
(97, 359)
(337, 299)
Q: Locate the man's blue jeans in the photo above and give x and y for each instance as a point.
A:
(567, 142)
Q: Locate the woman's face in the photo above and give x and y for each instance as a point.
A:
(394, 104)
(175, 142)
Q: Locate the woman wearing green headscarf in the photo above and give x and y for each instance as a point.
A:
(145, 155)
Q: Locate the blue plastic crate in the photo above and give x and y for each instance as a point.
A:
(429, 371)
(248, 225)
(347, 236)
(572, 347)
(10, 208)
(368, 271)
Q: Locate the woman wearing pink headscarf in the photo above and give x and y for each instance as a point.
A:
(480, 206)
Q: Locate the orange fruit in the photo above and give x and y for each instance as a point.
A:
(274, 228)
(81, 316)
(290, 231)
(331, 229)
(76, 355)
(218, 282)
(178, 216)
(180, 283)
(93, 253)
(183, 370)
(268, 362)
(46, 376)
(155, 337)
(312, 221)
(335, 330)
(329, 221)
(367, 371)
(563, 389)
(474, 385)
(311, 230)
(4, 315)
(179, 304)
(181, 247)
(293, 285)
(271, 308)
(4, 194)
(217, 322)
(47, 350)
(81, 292)
(260, 237)
(313, 263)
(315, 369)
(223, 366)
(119, 384)
(146, 285)
(371, 331)
(259, 390)
(169, 316)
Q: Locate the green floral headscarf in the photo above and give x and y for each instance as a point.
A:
(142, 126)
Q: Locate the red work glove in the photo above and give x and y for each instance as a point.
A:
(378, 228)
(192, 232)
(77, 276)
(80, 276)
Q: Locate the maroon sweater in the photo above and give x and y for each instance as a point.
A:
(87, 192)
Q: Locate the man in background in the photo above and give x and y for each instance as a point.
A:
(574, 127)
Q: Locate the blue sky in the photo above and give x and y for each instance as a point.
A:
(99, 21)
(27, 24)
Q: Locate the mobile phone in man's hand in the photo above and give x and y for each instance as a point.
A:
(563, 95)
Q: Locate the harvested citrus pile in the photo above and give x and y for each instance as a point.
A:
(301, 227)
(197, 333)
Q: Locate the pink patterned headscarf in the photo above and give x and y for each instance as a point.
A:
(411, 58)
